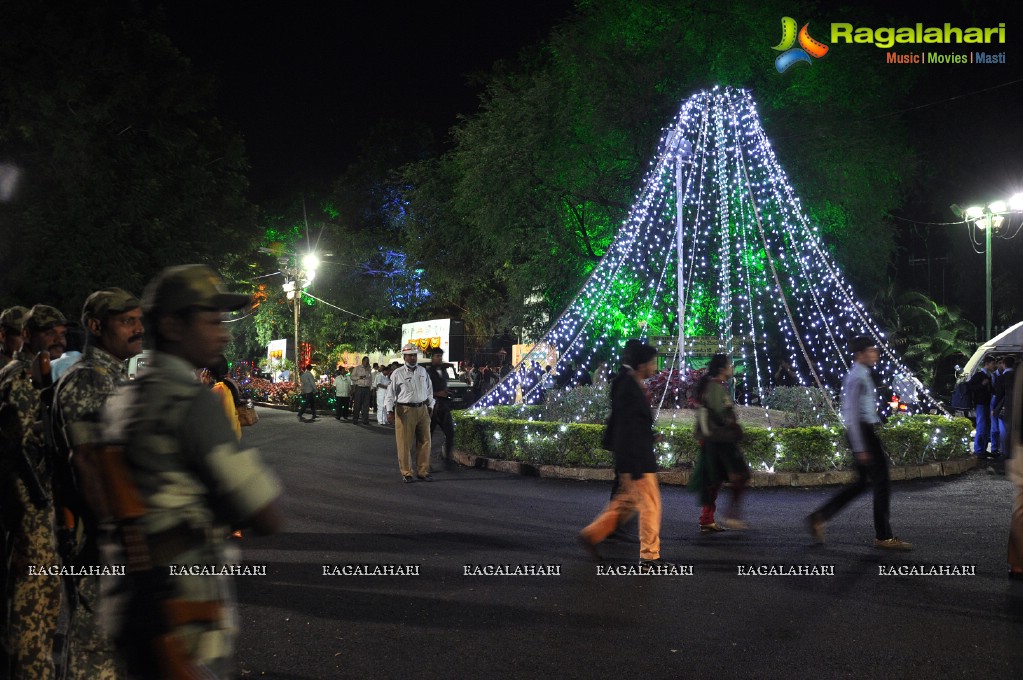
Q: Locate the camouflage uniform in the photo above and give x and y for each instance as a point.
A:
(185, 461)
(34, 600)
(12, 320)
(79, 399)
(193, 481)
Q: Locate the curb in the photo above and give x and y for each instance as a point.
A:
(760, 480)
(275, 407)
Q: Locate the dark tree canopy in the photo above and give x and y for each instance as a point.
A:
(541, 178)
(123, 169)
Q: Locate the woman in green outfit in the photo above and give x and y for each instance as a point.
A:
(720, 457)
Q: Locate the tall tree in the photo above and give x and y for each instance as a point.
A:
(541, 178)
(123, 169)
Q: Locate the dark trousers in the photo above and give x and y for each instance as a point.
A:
(983, 429)
(876, 473)
(342, 407)
(998, 433)
(308, 399)
(442, 417)
(360, 404)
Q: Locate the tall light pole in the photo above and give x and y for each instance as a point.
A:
(296, 279)
(988, 218)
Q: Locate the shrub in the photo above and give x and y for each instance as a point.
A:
(499, 434)
(802, 406)
(586, 404)
(670, 389)
(272, 392)
(913, 439)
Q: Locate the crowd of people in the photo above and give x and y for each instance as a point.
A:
(630, 435)
(145, 474)
(108, 477)
(992, 390)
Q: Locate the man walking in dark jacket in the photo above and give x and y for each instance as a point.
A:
(631, 438)
(981, 387)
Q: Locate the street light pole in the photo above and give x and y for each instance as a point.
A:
(987, 266)
(296, 280)
(989, 218)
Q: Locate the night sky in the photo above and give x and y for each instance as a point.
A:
(304, 81)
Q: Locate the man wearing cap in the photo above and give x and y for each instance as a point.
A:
(438, 371)
(409, 405)
(112, 319)
(12, 321)
(194, 482)
(26, 469)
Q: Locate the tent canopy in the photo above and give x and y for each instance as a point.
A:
(1009, 341)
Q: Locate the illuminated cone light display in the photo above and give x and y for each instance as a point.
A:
(717, 252)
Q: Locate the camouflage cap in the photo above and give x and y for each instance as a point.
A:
(176, 289)
(14, 318)
(44, 317)
(108, 301)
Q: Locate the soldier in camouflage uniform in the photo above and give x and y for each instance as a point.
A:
(195, 481)
(112, 318)
(26, 472)
(12, 320)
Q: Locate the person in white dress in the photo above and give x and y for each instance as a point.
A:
(381, 381)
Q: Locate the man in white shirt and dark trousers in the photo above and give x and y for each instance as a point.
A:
(859, 413)
(308, 383)
(409, 405)
(361, 377)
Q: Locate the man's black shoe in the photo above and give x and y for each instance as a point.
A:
(426, 478)
(654, 566)
(407, 479)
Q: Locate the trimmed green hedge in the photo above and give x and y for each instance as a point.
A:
(909, 439)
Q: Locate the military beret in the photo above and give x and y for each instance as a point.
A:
(176, 289)
(14, 317)
(44, 317)
(106, 302)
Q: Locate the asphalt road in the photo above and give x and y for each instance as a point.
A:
(345, 505)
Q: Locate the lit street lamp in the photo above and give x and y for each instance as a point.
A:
(988, 218)
(296, 279)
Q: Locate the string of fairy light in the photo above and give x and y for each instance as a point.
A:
(717, 245)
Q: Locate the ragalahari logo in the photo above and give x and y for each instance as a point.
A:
(808, 47)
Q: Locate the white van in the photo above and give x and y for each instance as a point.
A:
(1009, 341)
(138, 363)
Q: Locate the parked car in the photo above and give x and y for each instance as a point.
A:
(461, 393)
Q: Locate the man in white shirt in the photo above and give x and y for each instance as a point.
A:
(308, 386)
(381, 381)
(859, 413)
(409, 405)
(342, 390)
(361, 377)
